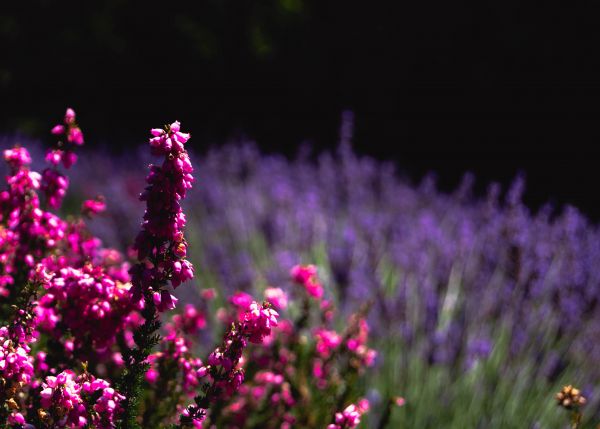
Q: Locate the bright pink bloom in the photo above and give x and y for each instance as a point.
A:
(164, 219)
(258, 322)
(93, 207)
(69, 116)
(58, 130)
(306, 275)
(17, 157)
(350, 417)
(327, 341)
(241, 300)
(277, 297)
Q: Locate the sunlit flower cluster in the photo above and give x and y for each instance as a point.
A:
(82, 339)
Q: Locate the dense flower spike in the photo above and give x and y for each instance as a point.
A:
(89, 303)
(161, 245)
(223, 364)
(161, 252)
(27, 233)
(54, 183)
(15, 363)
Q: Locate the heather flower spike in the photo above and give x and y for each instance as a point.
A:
(161, 251)
(54, 183)
(161, 244)
(254, 325)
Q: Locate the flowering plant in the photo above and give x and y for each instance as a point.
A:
(85, 341)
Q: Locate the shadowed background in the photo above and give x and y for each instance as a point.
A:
(494, 89)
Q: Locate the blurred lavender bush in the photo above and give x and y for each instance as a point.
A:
(479, 304)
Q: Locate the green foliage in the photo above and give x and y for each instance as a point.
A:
(146, 338)
(490, 394)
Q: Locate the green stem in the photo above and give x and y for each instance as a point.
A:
(145, 338)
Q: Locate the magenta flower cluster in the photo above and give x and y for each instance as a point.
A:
(54, 183)
(350, 416)
(67, 401)
(81, 344)
(160, 245)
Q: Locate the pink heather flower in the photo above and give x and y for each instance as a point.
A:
(17, 157)
(191, 321)
(226, 360)
(54, 186)
(165, 141)
(317, 370)
(357, 344)
(61, 391)
(306, 275)
(350, 417)
(54, 157)
(15, 363)
(268, 377)
(41, 276)
(93, 207)
(180, 250)
(327, 341)
(302, 273)
(75, 136)
(364, 405)
(16, 419)
(327, 310)
(277, 297)
(5, 281)
(88, 291)
(69, 116)
(73, 133)
(208, 294)
(69, 158)
(258, 321)
(61, 396)
(182, 271)
(241, 300)
(58, 130)
(152, 376)
(399, 401)
(197, 416)
(164, 219)
(164, 300)
(369, 356)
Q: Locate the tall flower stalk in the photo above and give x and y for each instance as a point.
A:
(223, 369)
(161, 252)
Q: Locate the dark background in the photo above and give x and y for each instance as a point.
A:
(494, 88)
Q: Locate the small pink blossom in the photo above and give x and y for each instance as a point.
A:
(277, 297)
(93, 207)
(306, 275)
